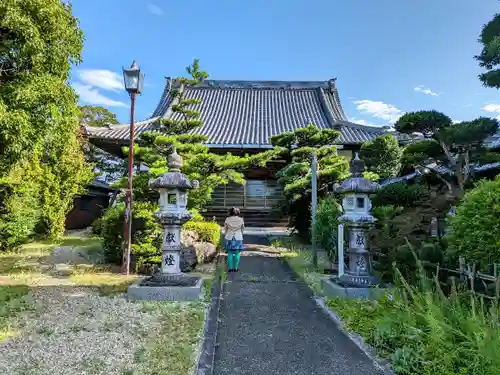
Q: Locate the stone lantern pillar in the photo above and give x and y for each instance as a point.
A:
(357, 219)
(173, 187)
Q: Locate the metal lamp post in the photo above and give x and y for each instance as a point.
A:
(134, 84)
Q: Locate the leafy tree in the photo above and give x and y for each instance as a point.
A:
(208, 168)
(297, 149)
(489, 58)
(42, 165)
(461, 144)
(382, 156)
(96, 116)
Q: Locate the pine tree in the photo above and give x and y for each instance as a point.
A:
(297, 149)
(209, 168)
(456, 146)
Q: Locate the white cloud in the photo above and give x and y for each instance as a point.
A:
(423, 90)
(456, 121)
(491, 107)
(102, 78)
(379, 110)
(156, 10)
(92, 96)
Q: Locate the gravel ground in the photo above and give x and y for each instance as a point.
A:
(66, 326)
(76, 331)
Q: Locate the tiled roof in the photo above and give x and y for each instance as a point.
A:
(248, 113)
(440, 170)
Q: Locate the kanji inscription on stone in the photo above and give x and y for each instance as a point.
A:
(170, 238)
(360, 262)
(169, 260)
(360, 240)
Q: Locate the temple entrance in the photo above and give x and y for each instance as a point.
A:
(258, 201)
(254, 195)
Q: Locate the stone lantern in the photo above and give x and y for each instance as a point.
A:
(170, 283)
(356, 205)
(173, 187)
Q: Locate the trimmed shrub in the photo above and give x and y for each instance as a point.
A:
(208, 231)
(474, 228)
(400, 194)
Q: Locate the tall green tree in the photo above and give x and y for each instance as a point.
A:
(382, 156)
(208, 168)
(96, 116)
(460, 145)
(489, 58)
(42, 165)
(296, 149)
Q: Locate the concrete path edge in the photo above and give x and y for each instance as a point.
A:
(382, 364)
(204, 364)
(369, 351)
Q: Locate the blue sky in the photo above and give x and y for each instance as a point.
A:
(390, 56)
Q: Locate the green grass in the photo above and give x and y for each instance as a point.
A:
(424, 332)
(300, 260)
(105, 279)
(208, 284)
(171, 350)
(14, 299)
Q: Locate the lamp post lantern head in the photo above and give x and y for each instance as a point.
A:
(133, 79)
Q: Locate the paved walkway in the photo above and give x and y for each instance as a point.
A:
(270, 325)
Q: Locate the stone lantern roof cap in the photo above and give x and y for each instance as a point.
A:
(174, 178)
(357, 183)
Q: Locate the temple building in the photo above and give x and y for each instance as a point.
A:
(240, 117)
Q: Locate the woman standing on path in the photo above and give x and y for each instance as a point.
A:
(233, 236)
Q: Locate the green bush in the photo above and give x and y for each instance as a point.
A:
(401, 194)
(474, 228)
(394, 229)
(196, 216)
(382, 156)
(326, 225)
(22, 214)
(208, 231)
(146, 233)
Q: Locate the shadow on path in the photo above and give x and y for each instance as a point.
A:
(269, 324)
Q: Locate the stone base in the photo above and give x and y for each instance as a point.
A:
(166, 288)
(356, 281)
(332, 289)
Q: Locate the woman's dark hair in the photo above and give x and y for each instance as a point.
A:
(234, 211)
